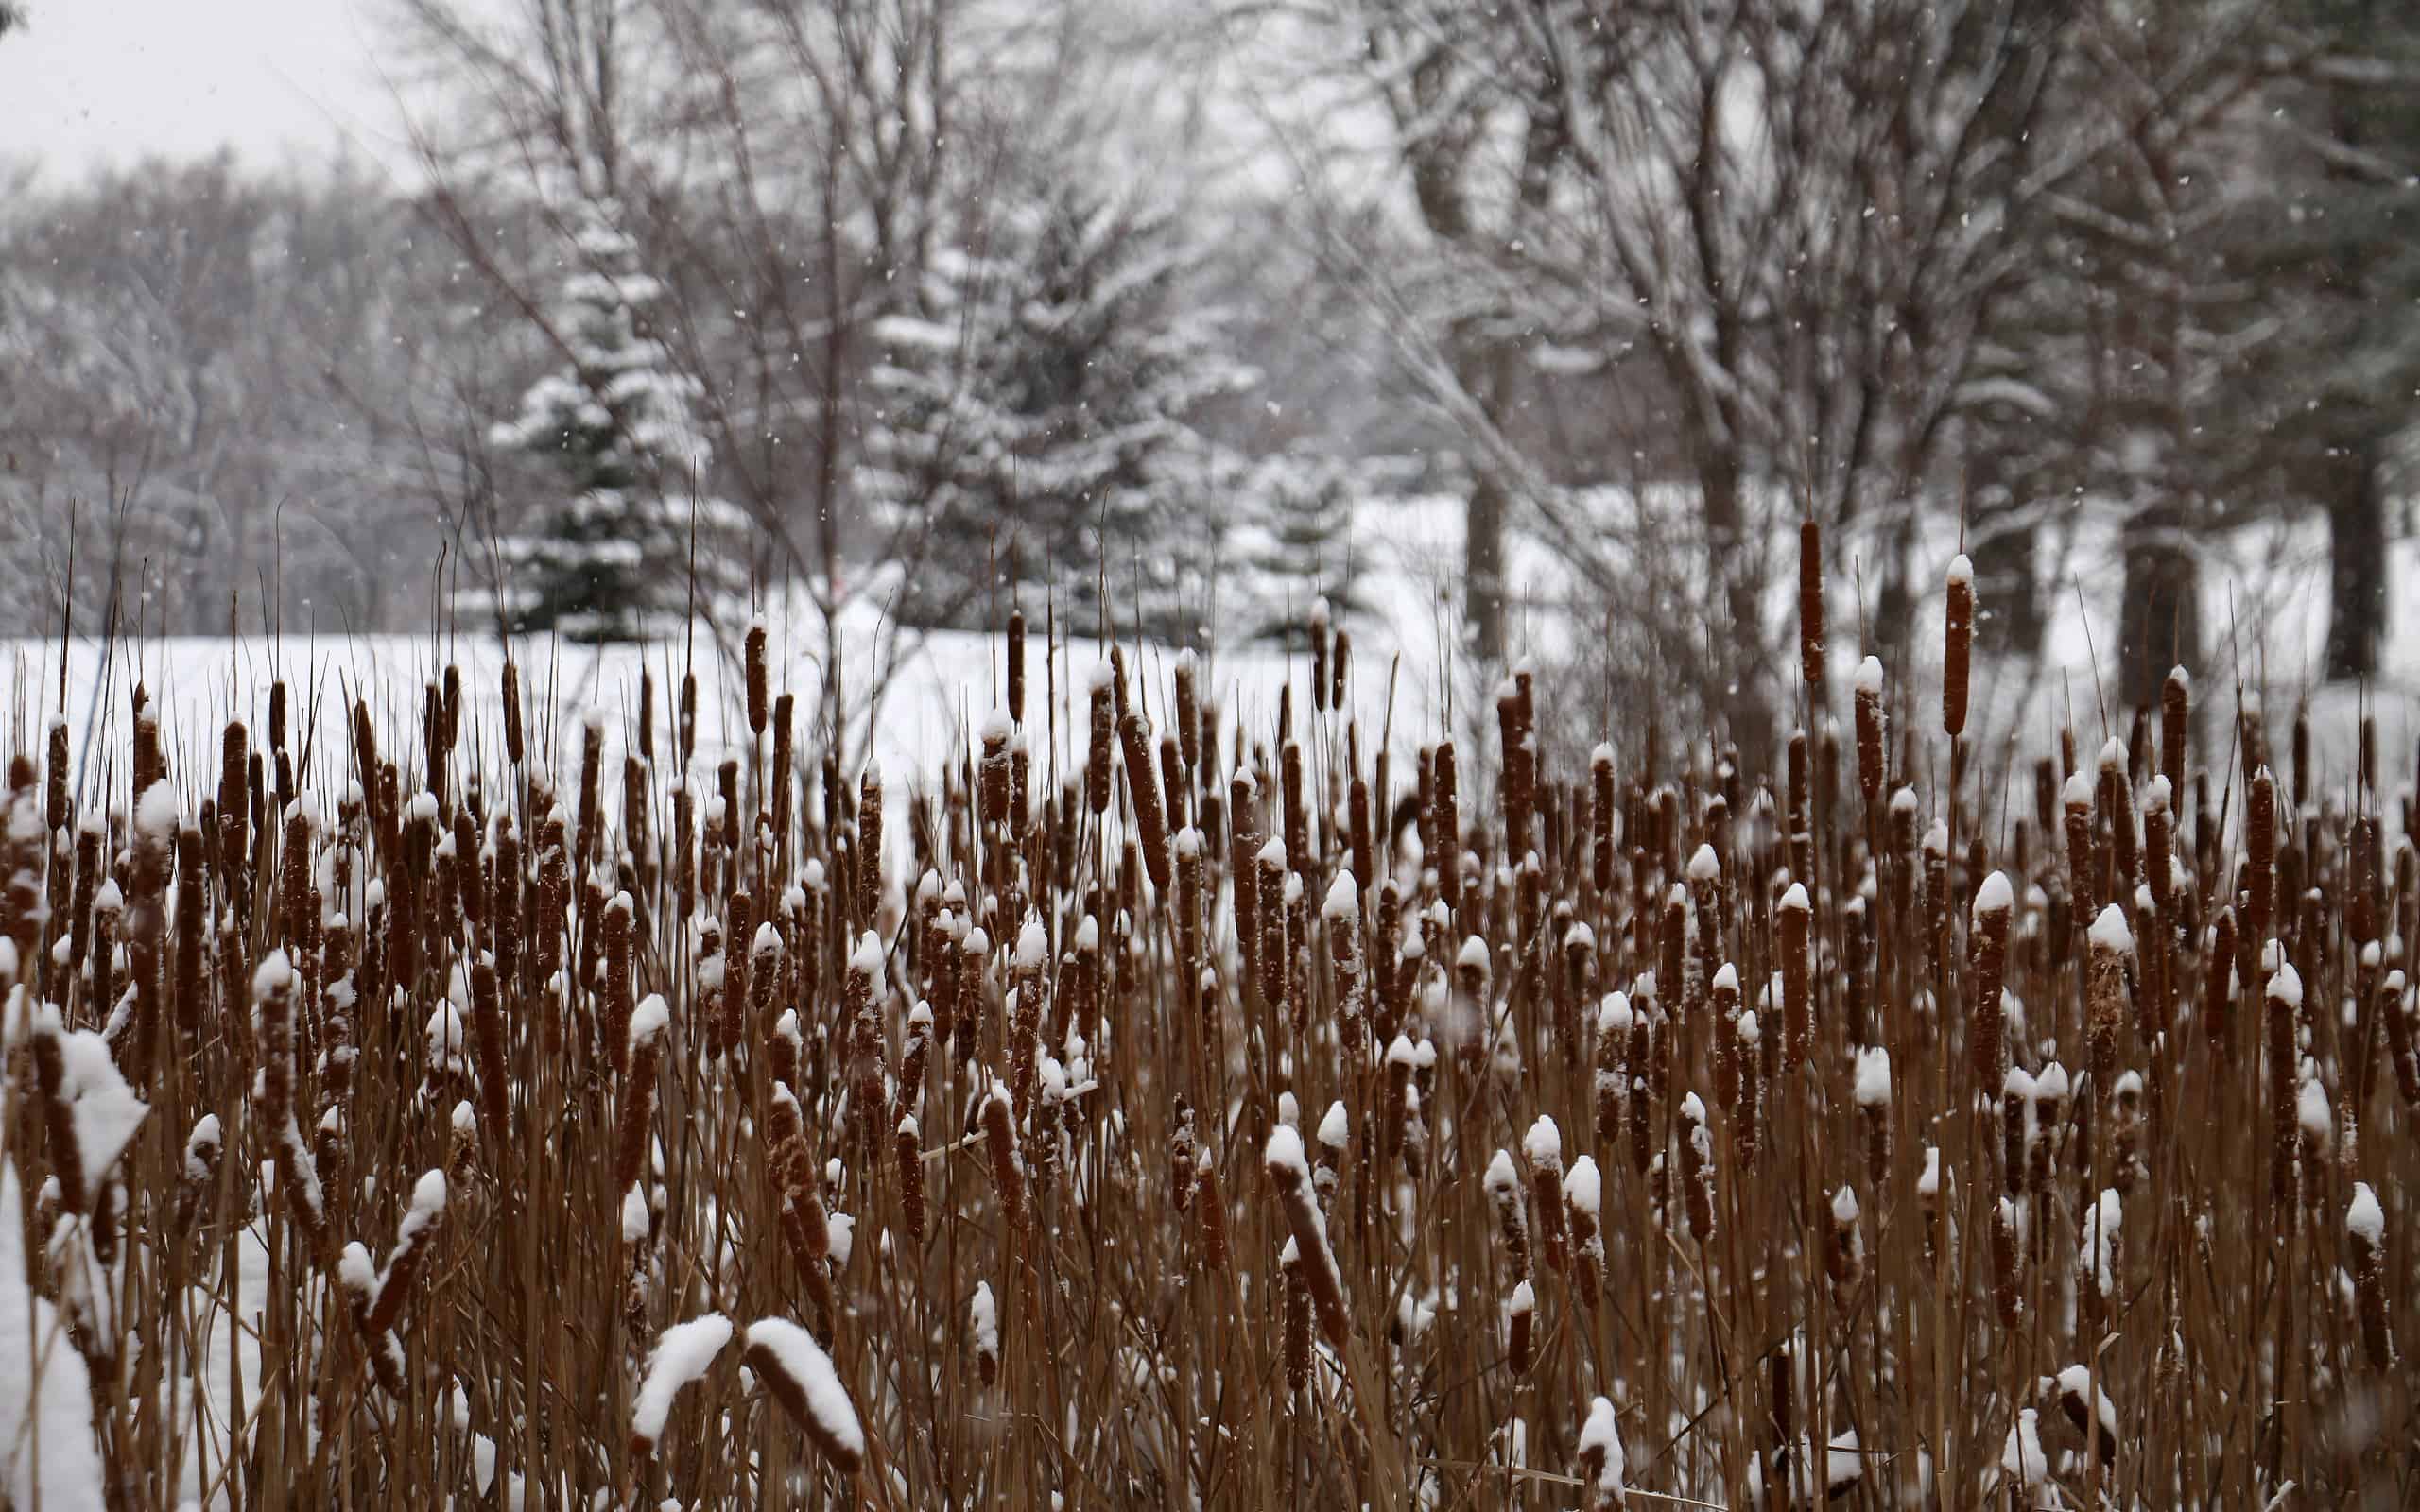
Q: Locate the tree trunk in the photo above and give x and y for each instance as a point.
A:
(2159, 624)
(1483, 567)
(1738, 688)
(2357, 570)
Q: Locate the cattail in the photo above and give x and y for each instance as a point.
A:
(1514, 717)
(1871, 723)
(1296, 1331)
(2125, 1130)
(1318, 639)
(1793, 918)
(1697, 1168)
(2076, 799)
(615, 924)
(644, 1054)
(1503, 1185)
(2008, 1278)
(2051, 1091)
(870, 845)
(1149, 822)
(859, 997)
(1339, 667)
(1810, 604)
(796, 1372)
(2174, 697)
(2017, 1092)
(1214, 1211)
(1289, 1175)
(1872, 1095)
(1543, 1146)
(1268, 889)
(1929, 1200)
(2112, 945)
(298, 1180)
(1520, 1327)
(1845, 1247)
(2097, 1258)
(190, 904)
(1445, 825)
(1958, 642)
(487, 1028)
(1341, 912)
(1987, 941)
(2403, 1053)
(1008, 1162)
(1296, 807)
(2260, 856)
(2284, 1000)
(759, 705)
(2365, 1232)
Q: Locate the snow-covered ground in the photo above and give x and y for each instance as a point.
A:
(2264, 608)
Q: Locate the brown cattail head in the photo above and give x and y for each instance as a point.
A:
(1958, 644)
(2008, 1275)
(1871, 725)
(1017, 665)
(2260, 856)
(1793, 922)
(759, 682)
(513, 748)
(1289, 1174)
(2110, 948)
(1810, 603)
(1008, 1161)
(1542, 1144)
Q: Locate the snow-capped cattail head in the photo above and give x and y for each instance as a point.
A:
(1602, 1471)
(1871, 726)
(1289, 1174)
(2365, 1236)
(797, 1373)
(1542, 1144)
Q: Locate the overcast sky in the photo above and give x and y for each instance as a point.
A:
(92, 81)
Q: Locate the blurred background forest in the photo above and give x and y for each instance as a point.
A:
(1145, 310)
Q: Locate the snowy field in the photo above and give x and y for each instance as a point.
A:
(2264, 610)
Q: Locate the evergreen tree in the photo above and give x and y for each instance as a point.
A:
(1038, 415)
(611, 559)
(1298, 511)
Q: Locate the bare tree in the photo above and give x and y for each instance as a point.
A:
(1796, 225)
